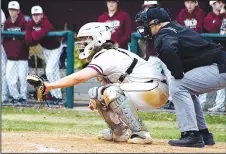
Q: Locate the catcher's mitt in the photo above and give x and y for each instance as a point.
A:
(38, 84)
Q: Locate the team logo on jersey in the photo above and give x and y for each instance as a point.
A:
(113, 25)
(14, 29)
(191, 23)
(36, 28)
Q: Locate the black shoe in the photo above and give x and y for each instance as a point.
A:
(4, 103)
(188, 140)
(208, 139)
(56, 101)
(15, 102)
(59, 102)
(23, 102)
(169, 105)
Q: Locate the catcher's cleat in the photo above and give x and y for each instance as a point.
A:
(108, 135)
(141, 137)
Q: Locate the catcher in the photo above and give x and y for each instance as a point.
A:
(128, 83)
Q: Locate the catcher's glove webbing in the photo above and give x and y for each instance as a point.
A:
(38, 84)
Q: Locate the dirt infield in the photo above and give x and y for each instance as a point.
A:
(52, 142)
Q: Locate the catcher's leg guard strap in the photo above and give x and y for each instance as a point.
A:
(125, 109)
(113, 121)
(111, 118)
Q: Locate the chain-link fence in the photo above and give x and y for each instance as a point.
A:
(50, 64)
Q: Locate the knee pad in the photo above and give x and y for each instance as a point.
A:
(110, 117)
(116, 101)
(96, 97)
(112, 93)
(96, 93)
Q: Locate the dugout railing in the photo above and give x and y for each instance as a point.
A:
(68, 37)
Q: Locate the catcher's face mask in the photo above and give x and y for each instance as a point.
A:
(143, 26)
(81, 43)
(150, 19)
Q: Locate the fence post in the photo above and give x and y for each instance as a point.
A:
(134, 42)
(70, 68)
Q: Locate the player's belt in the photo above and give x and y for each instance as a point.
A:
(129, 70)
(163, 81)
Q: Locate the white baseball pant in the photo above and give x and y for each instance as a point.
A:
(152, 99)
(5, 91)
(17, 70)
(53, 68)
(220, 98)
(157, 64)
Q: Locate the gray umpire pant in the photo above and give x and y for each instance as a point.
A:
(197, 81)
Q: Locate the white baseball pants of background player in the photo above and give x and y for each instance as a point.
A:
(220, 98)
(5, 90)
(53, 68)
(17, 70)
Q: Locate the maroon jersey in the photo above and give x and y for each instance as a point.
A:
(37, 34)
(16, 48)
(192, 20)
(120, 25)
(212, 22)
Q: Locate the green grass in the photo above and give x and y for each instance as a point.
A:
(162, 125)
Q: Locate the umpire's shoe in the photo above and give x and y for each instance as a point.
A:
(208, 139)
(189, 139)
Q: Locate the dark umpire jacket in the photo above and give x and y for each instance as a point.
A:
(183, 49)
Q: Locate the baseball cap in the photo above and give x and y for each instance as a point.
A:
(113, 0)
(191, 0)
(158, 13)
(212, 2)
(150, 3)
(36, 10)
(14, 5)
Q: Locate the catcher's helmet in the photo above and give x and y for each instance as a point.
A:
(95, 34)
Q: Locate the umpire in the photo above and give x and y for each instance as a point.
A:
(197, 65)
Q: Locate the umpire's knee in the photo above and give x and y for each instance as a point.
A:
(175, 90)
